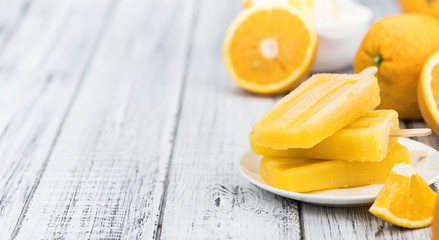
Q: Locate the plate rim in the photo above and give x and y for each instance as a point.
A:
(328, 200)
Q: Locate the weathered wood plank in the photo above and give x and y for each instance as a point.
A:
(105, 177)
(352, 223)
(206, 196)
(37, 31)
(12, 14)
(36, 90)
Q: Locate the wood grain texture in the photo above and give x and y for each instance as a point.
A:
(36, 90)
(352, 223)
(105, 177)
(206, 196)
(12, 14)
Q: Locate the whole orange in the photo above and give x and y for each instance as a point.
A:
(430, 7)
(398, 46)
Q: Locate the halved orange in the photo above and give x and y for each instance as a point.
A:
(428, 92)
(269, 48)
(406, 200)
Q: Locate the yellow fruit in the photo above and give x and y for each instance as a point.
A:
(428, 92)
(430, 7)
(246, 3)
(269, 48)
(406, 200)
(399, 45)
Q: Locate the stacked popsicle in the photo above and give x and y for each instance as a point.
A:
(325, 135)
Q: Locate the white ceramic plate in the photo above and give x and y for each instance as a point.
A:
(427, 167)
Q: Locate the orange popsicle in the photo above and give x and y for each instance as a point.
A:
(365, 139)
(304, 175)
(317, 109)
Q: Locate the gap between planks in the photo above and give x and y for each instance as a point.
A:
(194, 22)
(206, 196)
(133, 108)
(39, 76)
(71, 102)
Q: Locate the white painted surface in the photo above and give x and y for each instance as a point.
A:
(118, 120)
(105, 176)
(40, 69)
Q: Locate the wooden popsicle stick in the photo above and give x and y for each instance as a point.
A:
(418, 154)
(369, 71)
(415, 132)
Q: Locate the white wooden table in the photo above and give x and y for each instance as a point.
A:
(118, 120)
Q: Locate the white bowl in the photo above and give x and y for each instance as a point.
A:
(338, 43)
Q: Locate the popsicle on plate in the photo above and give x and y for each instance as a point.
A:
(365, 139)
(305, 175)
(318, 108)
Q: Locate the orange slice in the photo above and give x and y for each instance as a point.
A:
(428, 92)
(406, 200)
(269, 48)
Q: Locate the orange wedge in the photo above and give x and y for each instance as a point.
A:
(406, 200)
(269, 48)
(428, 92)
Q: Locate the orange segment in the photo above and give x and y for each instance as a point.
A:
(406, 200)
(269, 48)
(428, 92)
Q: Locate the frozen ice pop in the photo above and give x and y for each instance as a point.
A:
(365, 139)
(305, 175)
(318, 108)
